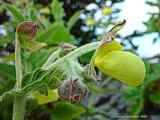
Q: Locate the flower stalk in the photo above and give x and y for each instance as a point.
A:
(19, 101)
(74, 54)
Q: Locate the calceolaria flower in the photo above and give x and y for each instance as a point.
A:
(72, 90)
(121, 65)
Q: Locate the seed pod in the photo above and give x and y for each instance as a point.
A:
(72, 90)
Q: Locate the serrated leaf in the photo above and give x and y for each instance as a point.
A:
(38, 58)
(46, 34)
(43, 99)
(57, 10)
(66, 111)
(15, 12)
(73, 19)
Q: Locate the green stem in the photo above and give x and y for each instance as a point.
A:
(51, 58)
(50, 63)
(19, 108)
(18, 64)
(74, 54)
(19, 101)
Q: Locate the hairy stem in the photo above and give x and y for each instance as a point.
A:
(74, 54)
(19, 101)
(50, 63)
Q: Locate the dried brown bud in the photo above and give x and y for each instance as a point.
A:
(66, 47)
(72, 90)
(27, 28)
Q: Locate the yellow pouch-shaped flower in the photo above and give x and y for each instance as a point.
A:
(121, 65)
(106, 48)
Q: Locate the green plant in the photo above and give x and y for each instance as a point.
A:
(42, 64)
(70, 68)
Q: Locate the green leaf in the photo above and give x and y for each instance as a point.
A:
(38, 58)
(85, 59)
(153, 74)
(155, 98)
(7, 71)
(6, 95)
(57, 10)
(132, 93)
(147, 66)
(7, 78)
(6, 39)
(15, 12)
(137, 107)
(32, 45)
(46, 34)
(55, 34)
(52, 57)
(95, 89)
(66, 111)
(73, 19)
(43, 99)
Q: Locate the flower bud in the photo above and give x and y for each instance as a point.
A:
(66, 47)
(27, 29)
(26, 32)
(72, 90)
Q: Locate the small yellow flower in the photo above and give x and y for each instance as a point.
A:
(106, 11)
(90, 21)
